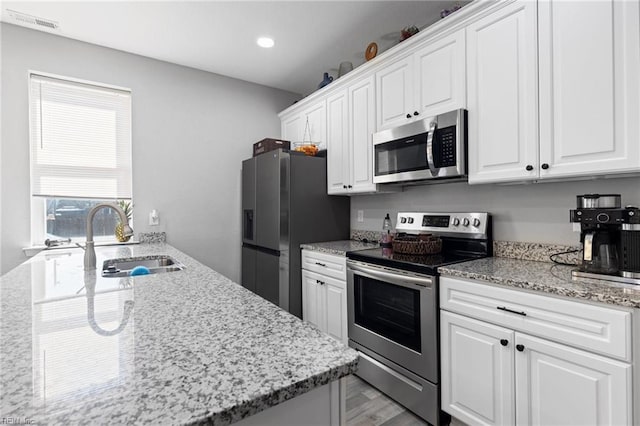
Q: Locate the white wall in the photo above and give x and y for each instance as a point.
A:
(191, 130)
(527, 212)
(1, 198)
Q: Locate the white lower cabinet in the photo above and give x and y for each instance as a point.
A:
(324, 298)
(324, 304)
(560, 385)
(501, 375)
(477, 371)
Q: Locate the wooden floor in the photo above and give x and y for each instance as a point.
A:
(367, 406)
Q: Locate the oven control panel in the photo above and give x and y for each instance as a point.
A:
(465, 225)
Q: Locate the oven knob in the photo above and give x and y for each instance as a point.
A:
(465, 222)
(476, 222)
(410, 220)
(403, 220)
(603, 217)
(456, 221)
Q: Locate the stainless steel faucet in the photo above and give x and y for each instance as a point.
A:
(89, 252)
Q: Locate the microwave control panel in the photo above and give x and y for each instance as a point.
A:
(444, 147)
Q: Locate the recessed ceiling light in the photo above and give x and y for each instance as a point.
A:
(265, 42)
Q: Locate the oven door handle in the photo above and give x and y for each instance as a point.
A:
(398, 278)
(432, 130)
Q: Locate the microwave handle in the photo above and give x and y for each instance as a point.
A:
(432, 130)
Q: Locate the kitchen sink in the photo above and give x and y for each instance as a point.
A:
(158, 264)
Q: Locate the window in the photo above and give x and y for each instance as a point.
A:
(80, 136)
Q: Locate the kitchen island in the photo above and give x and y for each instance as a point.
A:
(180, 347)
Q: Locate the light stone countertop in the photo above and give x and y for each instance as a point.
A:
(339, 248)
(194, 347)
(544, 277)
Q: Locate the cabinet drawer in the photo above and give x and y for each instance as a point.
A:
(325, 264)
(595, 328)
(323, 279)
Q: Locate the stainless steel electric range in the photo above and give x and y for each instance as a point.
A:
(393, 309)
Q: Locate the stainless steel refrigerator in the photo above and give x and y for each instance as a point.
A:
(285, 204)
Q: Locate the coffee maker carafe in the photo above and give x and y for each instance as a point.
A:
(611, 238)
(600, 253)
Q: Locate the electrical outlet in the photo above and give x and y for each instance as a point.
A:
(360, 215)
(154, 218)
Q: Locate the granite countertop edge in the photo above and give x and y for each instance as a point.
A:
(266, 401)
(340, 247)
(593, 290)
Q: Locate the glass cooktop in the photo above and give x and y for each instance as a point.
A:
(425, 264)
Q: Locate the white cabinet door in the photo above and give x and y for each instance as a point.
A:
(338, 157)
(335, 298)
(560, 385)
(503, 95)
(394, 94)
(324, 298)
(312, 299)
(589, 87)
(292, 128)
(316, 116)
(477, 370)
(440, 75)
(361, 127)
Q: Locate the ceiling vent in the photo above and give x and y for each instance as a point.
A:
(33, 21)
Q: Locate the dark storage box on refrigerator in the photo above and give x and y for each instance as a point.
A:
(268, 144)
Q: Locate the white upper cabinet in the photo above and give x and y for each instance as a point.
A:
(338, 157)
(440, 75)
(553, 90)
(309, 125)
(503, 95)
(350, 124)
(317, 120)
(430, 81)
(361, 127)
(292, 128)
(394, 100)
(589, 87)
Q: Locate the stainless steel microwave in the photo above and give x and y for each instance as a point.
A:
(431, 148)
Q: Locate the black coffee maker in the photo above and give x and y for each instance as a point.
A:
(610, 235)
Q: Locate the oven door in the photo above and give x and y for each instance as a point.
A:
(394, 314)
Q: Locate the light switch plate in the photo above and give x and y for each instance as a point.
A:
(360, 215)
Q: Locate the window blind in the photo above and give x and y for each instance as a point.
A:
(80, 140)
